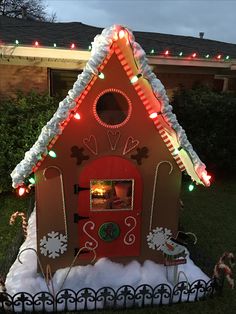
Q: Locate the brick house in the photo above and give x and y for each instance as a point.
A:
(43, 53)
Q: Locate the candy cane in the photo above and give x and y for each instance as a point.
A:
(40, 266)
(221, 267)
(3, 292)
(2, 286)
(24, 221)
(74, 260)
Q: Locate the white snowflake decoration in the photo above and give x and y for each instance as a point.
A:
(157, 238)
(53, 244)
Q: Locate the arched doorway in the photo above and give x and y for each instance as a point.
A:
(109, 207)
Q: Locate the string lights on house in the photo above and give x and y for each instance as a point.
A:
(153, 52)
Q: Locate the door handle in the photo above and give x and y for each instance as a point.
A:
(77, 218)
(78, 188)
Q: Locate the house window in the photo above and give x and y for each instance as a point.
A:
(112, 108)
(61, 81)
(111, 194)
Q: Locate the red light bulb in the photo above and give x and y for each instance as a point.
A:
(153, 115)
(166, 53)
(206, 178)
(121, 34)
(219, 57)
(77, 116)
(72, 46)
(36, 43)
(194, 55)
(21, 191)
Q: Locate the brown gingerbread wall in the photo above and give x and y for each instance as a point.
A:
(141, 128)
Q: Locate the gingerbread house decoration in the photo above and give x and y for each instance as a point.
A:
(108, 164)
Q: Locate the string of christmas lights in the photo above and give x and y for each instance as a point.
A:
(153, 52)
(23, 189)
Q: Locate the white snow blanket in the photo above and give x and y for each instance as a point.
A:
(24, 277)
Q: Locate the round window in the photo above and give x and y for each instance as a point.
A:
(112, 108)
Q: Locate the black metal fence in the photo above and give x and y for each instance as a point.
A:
(108, 298)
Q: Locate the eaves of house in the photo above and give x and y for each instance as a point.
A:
(18, 37)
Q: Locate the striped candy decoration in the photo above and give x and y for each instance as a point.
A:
(2, 286)
(24, 221)
(221, 268)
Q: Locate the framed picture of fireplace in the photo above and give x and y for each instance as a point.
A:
(111, 194)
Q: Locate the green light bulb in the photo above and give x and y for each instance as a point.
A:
(134, 79)
(52, 154)
(17, 42)
(207, 56)
(101, 75)
(181, 53)
(31, 180)
(190, 187)
(176, 152)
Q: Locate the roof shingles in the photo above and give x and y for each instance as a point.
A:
(63, 34)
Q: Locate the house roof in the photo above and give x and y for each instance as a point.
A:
(63, 34)
(165, 121)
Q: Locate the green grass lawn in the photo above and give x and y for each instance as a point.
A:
(208, 212)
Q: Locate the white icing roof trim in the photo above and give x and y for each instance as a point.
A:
(100, 49)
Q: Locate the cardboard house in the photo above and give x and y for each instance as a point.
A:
(108, 164)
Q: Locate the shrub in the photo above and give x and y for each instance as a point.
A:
(21, 120)
(208, 118)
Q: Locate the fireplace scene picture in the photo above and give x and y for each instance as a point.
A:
(111, 194)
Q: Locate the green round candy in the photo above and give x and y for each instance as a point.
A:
(109, 231)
